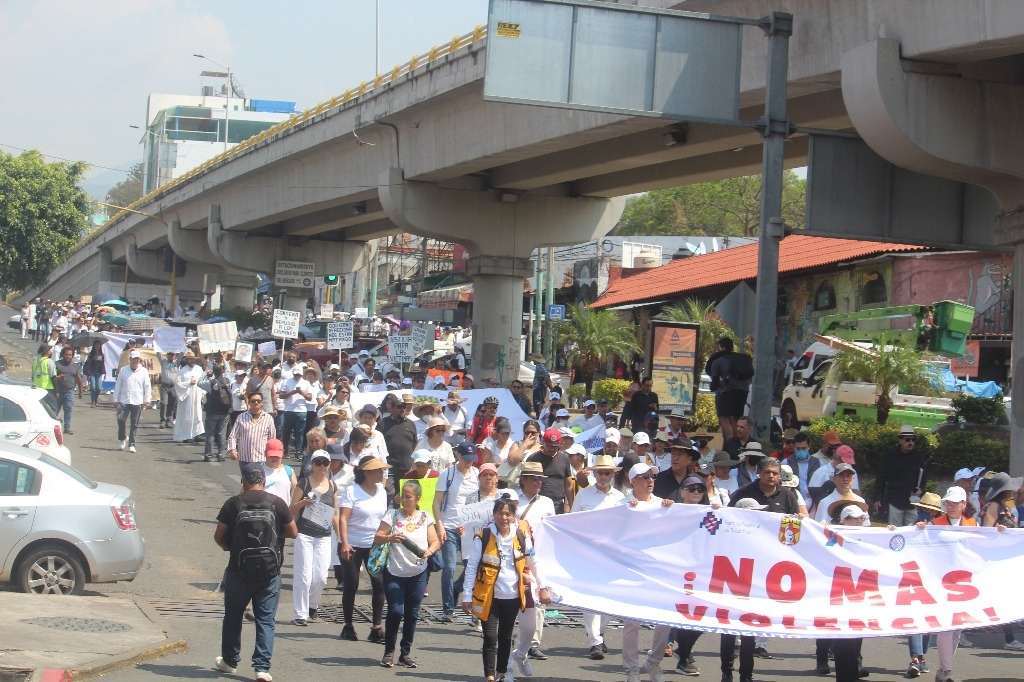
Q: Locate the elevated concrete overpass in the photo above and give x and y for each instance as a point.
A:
(932, 87)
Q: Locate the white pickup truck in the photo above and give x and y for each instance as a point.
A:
(809, 397)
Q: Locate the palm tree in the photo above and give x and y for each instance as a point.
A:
(889, 366)
(592, 337)
(712, 327)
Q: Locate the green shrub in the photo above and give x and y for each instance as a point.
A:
(575, 396)
(704, 416)
(610, 390)
(243, 318)
(973, 410)
(870, 441)
(960, 449)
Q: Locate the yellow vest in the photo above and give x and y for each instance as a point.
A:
(490, 566)
(41, 373)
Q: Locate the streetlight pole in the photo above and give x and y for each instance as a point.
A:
(227, 95)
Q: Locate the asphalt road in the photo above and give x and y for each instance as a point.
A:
(178, 496)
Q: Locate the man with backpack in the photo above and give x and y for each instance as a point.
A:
(217, 407)
(252, 527)
(730, 374)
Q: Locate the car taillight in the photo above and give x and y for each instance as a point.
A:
(58, 434)
(124, 515)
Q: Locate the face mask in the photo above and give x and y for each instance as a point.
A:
(802, 455)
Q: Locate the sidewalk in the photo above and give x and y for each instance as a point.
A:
(47, 639)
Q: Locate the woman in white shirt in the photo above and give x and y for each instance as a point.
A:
(405, 576)
(441, 455)
(455, 414)
(362, 507)
(499, 447)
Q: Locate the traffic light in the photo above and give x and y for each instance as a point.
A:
(330, 279)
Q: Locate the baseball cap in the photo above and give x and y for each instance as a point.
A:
(831, 437)
(602, 401)
(134, 355)
(589, 403)
(488, 467)
(567, 432)
(555, 395)
(612, 435)
(844, 467)
(625, 432)
(407, 381)
(650, 415)
(239, 372)
(750, 503)
(562, 413)
(852, 511)
(694, 480)
(253, 474)
(466, 450)
(845, 453)
(641, 439)
(296, 370)
(575, 449)
(963, 474)
(552, 436)
(955, 494)
(364, 353)
(422, 455)
(275, 448)
(642, 468)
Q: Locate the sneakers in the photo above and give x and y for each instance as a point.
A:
(654, 670)
(263, 676)
(301, 622)
(131, 448)
(913, 670)
(1012, 646)
(823, 669)
(220, 458)
(348, 632)
(536, 654)
(596, 654)
(761, 652)
(376, 635)
(224, 666)
(965, 643)
(944, 676)
(921, 665)
(633, 675)
(124, 443)
(207, 458)
(524, 665)
(407, 661)
(687, 668)
(388, 661)
(448, 617)
(314, 615)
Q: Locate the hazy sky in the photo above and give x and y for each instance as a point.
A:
(76, 73)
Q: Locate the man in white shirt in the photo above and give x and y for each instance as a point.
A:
(454, 485)
(189, 419)
(295, 391)
(827, 472)
(843, 478)
(131, 394)
(533, 508)
(589, 419)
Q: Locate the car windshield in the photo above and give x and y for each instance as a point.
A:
(70, 471)
(46, 406)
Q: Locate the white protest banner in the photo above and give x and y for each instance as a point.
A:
(507, 406)
(267, 348)
(419, 339)
(361, 312)
(243, 352)
(736, 571)
(220, 336)
(113, 350)
(327, 310)
(285, 324)
(400, 349)
(475, 516)
(169, 339)
(339, 335)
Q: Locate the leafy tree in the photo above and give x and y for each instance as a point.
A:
(592, 337)
(712, 327)
(889, 366)
(128, 190)
(723, 208)
(43, 214)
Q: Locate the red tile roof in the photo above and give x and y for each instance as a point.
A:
(796, 252)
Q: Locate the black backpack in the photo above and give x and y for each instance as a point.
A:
(254, 541)
(220, 395)
(742, 366)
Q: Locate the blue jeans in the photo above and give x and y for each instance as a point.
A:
(450, 552)
(95, 386)
(294, 424)
(404, 597)
(918, 644)
(237, 595)
(66, 401)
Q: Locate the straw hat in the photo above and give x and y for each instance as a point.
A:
(438, 421)
(929, 501)
(848, 498)
(604, 462)
(374, 463)
(453, 396)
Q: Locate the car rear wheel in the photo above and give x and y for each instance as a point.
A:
(51, 570)
(788, 415)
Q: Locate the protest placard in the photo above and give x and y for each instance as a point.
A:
(400, 349)
(220, 336)
(169, 339)
(339, 335)
(285, 324)
(267, 348)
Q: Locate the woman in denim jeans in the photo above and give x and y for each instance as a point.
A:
(96, 369)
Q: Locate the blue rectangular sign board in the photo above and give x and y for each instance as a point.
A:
(556, 312)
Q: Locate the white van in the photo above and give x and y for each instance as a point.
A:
(812, 357)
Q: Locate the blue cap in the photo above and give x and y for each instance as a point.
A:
(650, 415)
(466, 450)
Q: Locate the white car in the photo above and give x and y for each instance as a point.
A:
(60, 530)
(526, 370)
(27, 419)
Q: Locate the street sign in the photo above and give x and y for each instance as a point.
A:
(326, 310)
(556, 312)
(419, 339)
(290, 273)
(339, 335)
(285, 324)
(400, 349)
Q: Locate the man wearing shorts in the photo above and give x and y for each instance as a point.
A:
(730, 393)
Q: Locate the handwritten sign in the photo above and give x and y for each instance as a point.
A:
(361, 312)
(220, 336)
(400, 349)
(327, 310)
(419, 339)
(267, 348)
(169, 339)
(475, 516)
(285, 324)
(339, 335)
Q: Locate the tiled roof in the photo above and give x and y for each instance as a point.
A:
(796, 252)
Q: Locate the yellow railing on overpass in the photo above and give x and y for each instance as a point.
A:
(366, 87)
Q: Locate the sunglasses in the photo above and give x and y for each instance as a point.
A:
(320, 462)
(695, 489)
(645, 477)
(600, 472)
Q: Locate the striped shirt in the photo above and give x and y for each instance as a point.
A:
(249, 436)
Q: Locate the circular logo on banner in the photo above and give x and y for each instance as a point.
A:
(307, 282)
(897, 543)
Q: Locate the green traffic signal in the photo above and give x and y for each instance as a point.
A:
(330, 279)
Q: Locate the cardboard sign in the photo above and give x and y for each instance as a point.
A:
(285, 324)
(419, 339)
(169, 339)
(339, 335)
(400, 349)
(220, 336)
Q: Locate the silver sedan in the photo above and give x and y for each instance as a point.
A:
(59, 530)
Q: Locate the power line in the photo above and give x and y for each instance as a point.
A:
(61, 158)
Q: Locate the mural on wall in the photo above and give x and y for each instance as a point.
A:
(989, 287)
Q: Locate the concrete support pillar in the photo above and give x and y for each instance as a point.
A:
(237, 291)
(147, 265)
(500, 230)
(950, 127)
(190, 297)
(105, 274)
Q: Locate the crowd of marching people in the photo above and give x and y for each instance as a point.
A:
(371, 469)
